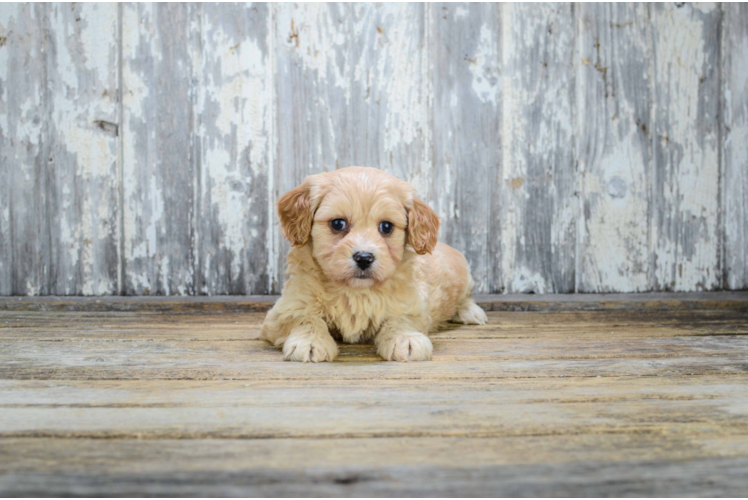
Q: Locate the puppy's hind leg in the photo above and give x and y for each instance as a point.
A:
(469, 313)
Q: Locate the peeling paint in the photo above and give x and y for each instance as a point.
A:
(687, 165)
(734, 54)
(564, 149)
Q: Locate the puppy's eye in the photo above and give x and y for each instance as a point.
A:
(386, 227)
(338, 225)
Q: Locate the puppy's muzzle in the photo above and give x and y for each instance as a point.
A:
(363, 259)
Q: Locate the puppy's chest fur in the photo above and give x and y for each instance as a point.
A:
(358, 316)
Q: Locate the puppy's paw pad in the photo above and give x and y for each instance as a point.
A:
(306, 349)
(407, 346)
(470, 313)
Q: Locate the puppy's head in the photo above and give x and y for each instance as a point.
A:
(360, 222)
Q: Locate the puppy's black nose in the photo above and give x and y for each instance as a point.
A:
(363, 259)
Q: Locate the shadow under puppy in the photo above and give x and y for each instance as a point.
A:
(365, 265)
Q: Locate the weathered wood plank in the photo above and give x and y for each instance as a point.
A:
(6, 188)
(685, 215)
(487, 357)
(734, 92)
(577, 466)
(614, 99)
(351, 91)
(658, 301)
(570, 327)
(25, 250)
(538, 215)
(157, 161)
(75, 456)
(234, 158)
(212, 393)
(361, 409)
(448, 348)
(467, 146)
(83, 125)
(377, 418)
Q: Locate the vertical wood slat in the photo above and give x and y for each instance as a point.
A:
(158, 164)
(613, 99)
(466, 140)
(349, 92)
(82, 61)
(199, 195)
(686, 160)
(734, 54)
(25, 258)
(234, 95)
(538, 212)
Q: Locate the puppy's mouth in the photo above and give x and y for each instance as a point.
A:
(360, 274)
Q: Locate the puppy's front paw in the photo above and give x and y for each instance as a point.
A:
(310, 348)
(406, 346)
(470, 313)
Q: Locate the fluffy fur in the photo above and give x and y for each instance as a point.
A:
(412, 288)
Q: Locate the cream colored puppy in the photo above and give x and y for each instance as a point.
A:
(365, 265)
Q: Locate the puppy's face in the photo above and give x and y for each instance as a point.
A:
(359, 223)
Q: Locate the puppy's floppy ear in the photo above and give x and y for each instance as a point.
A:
(423, 227)
(295, 211)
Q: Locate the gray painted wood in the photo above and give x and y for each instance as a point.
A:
(735, 143)
(83, 123)
(157, 159)
(466, 83)
(685, 213)
(708, 477)
(233, 147)
(143, 147)
(26, 247)
(538, 216)
(612, 146)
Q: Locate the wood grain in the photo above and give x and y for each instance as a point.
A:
(538, 216)
(25, 218)
(83, 129)
(614, 98)
(574, 402)
(224, 468)
(467, 104)
(581, 344)
(233, 148)
(157, 159)
(734, 52)
(686, 154)
(567, 148)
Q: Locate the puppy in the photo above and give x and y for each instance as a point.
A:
(365, 265)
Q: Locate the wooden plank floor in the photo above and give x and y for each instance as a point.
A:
(636, 395)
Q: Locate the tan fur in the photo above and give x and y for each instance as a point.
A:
(414, 286)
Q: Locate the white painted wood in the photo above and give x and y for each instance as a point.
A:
(735, 143)
(24, 218)
(538, 203)
(233, 145)
(590, 148)
(157, 161)
(467, 146)
(83, 126)
(685, 215)
(612, 146)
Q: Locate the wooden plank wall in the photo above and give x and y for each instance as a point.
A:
(566, 147)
